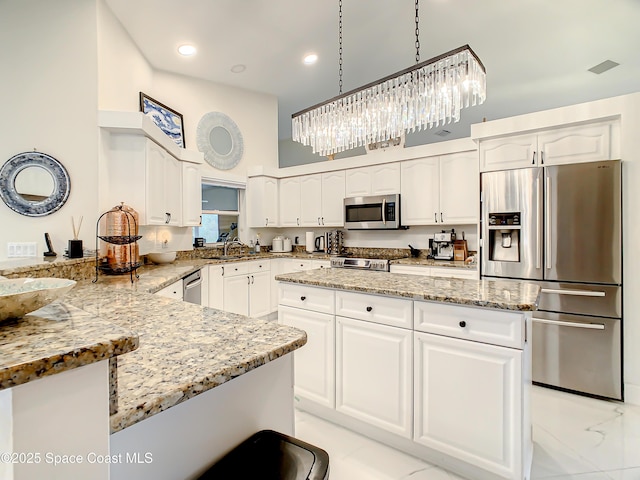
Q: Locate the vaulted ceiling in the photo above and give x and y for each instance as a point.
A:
(537, 52)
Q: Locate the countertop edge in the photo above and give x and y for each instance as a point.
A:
(18, 374)
(126, 417)
(424, 295)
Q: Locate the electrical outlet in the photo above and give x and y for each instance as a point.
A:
(22, 249)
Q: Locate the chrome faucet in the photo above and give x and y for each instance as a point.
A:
(234, 241)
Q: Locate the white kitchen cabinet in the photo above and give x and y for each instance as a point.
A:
(583, 143)
(262, 201)
(449, 272)
(469, 402)
(333, 193)
(383, 179)
(191, 195)
(375, 308)
(359, 373)
(139, 172)
(289, 201)
(428, 271)
(314, 375)
(215, 297)
(440, 190)
(420, 194)
(163, 187)
(310, 200)
(247, 288)
(173, 291)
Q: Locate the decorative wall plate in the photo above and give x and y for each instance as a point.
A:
(219, 139)
(25, 202)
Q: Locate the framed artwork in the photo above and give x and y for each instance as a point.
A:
(169, 121)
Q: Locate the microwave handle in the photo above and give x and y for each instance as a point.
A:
(384, 211)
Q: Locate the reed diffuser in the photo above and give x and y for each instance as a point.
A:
(75, 245)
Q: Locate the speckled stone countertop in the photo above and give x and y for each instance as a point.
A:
(54, 339)
(184, 349)
(499, 294)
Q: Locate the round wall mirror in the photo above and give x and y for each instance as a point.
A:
(219, 138)
(34, 184)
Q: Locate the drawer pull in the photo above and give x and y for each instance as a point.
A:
(369, 309)
(463, 323)
(303, 298)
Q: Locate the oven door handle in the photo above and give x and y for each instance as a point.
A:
(590, 326)
(580, 293)
(384, 211)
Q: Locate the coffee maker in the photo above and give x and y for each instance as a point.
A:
(441, 245)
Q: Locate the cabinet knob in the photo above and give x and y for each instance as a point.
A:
(369, 309)
(303, 298)
(463, 323)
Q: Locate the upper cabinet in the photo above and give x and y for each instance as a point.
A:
(142, 167)
(312, 200)
(440, 190)
(262, 201)
(381, 179)
(584, 143)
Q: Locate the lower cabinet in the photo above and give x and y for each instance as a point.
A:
(215, 287)
(448, 382)
(428, 271)
(247, 288)
(374, 374)
(468, 401)
(314, 376)
(172, 291)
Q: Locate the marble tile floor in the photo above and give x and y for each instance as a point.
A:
(575, 438)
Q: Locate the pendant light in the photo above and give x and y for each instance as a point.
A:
(429, 94)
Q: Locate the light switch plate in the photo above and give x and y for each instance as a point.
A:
(22, 249)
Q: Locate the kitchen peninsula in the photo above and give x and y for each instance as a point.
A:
(199, 382)
(437, 367)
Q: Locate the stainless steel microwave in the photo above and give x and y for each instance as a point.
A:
(379, 212)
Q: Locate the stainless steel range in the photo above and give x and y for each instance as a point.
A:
(375, 264)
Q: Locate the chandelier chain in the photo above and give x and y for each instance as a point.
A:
(417, 34)
(340, 46)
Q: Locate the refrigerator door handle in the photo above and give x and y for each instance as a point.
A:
(582, 293)
(539, 225)
(590, 326)
(547, 230)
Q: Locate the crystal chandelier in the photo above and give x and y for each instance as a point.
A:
(429, 94)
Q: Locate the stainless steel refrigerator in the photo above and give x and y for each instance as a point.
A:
(560, 227)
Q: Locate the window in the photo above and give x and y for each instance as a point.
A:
(219, 213)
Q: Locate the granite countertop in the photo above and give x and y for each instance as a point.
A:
(428, 262)
(56, 338)
(184, 349)
(499, 294)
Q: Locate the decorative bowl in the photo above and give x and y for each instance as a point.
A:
(20, 296)
(162, 257)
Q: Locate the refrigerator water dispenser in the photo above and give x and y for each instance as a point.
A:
(504, 237)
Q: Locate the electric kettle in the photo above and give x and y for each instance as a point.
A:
(320, 244)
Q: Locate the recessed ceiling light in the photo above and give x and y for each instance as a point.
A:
(310, 59)
(239, 68)
(187, 50)
(603, 67)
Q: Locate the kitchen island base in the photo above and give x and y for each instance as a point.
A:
(183, 441)
(438, 368)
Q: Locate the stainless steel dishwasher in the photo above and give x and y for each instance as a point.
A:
(192, 288)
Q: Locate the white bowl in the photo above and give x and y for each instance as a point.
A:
(20, 296)
(162, 257)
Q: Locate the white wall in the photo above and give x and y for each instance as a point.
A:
(256, 115)
(49, 100)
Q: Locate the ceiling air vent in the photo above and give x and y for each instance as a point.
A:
(442, 133)
(603, 67)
